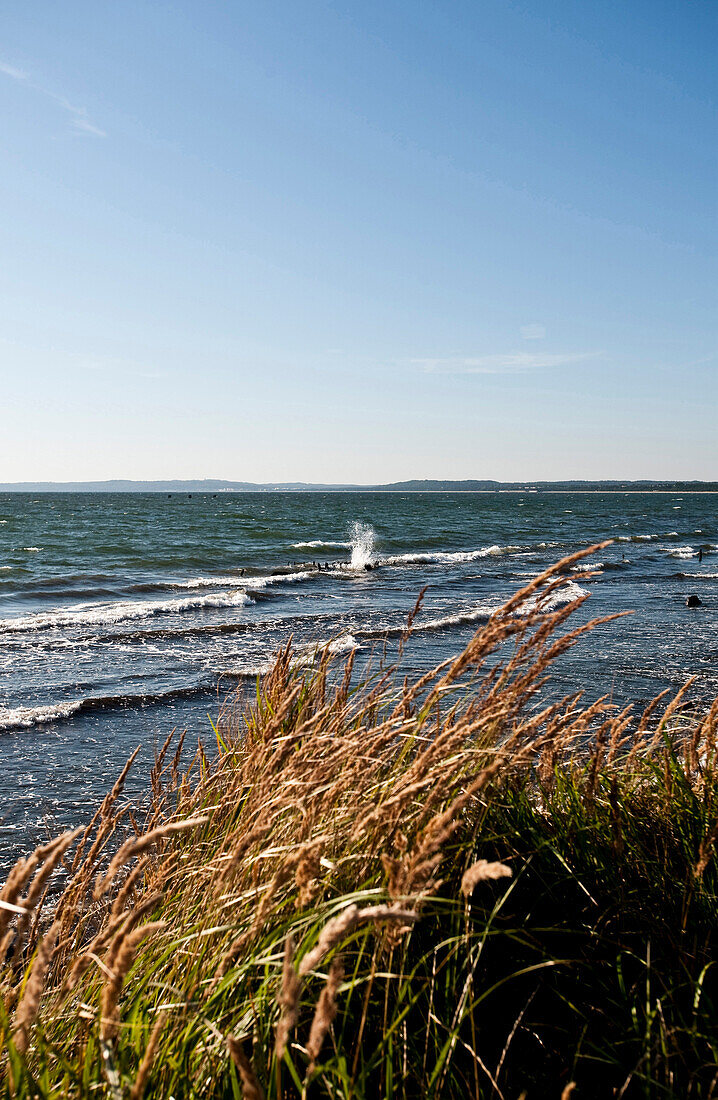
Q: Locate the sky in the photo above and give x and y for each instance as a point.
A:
(358, 241)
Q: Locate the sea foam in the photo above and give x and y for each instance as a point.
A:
(24, 717)
(109, 613)
(448, 557)
(316, 543)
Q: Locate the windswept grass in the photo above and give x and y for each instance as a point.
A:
(442, 888)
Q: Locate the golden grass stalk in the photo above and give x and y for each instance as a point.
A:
(138, 1086)
(251, 1088)
(481, 871)
(288, 999)
(338, 928)
(122, 958)
(325, 1011)
(135, 846)
(27, 1009)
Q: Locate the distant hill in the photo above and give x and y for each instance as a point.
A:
(213, 485)
(548, 486)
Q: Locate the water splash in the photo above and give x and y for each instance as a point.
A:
(362, 538)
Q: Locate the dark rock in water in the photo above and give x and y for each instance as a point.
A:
(694, 601)
(368, 566)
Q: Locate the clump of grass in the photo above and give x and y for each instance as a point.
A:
(454, 886)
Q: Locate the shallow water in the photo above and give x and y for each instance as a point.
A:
(123, 616)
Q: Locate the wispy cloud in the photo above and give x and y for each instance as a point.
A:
(516, 363)
(533, 332)
(10, 70)
(79, 121)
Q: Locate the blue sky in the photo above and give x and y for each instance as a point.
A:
(335, 241)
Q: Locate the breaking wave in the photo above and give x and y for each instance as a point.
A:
(647, 538)
(24, 717)
(446, 557)
(562, 596)
(679, 551)
(307, 654)
(263, 581)
(316, 543)
(481, 613)
(107, 614)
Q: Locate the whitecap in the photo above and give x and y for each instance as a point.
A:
(562, 596)
(314, 543)
(109, 613)
(280, 578)
(480, 613)
(679, 551)
(308, 654)
(447, 557)
(24, 717)
(206, 582)
(646, 538)
(343, 644)
(247, 670)
(241, 582)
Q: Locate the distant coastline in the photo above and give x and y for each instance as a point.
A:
(211, 485)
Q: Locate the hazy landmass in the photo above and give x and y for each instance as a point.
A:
(210, 485)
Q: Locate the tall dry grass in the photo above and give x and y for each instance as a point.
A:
(456, 886)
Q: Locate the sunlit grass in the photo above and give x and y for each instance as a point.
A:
(450, 886)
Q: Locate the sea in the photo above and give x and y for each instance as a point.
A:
(124, 617)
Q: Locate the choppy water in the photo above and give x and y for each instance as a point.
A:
(123, 616)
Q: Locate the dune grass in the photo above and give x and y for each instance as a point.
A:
(447, 887)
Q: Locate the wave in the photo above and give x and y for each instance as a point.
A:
(37, 716)
(25, 717)
(343, 644)
(679, 551)
(248, 672)
(447, 557)
(281, 576)
(647, 538)
(600, 566)
(480, 613)
(307, 654)
(31, 549)
(562, 596)
(316, 543)
(108, 614)
(188, 585)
